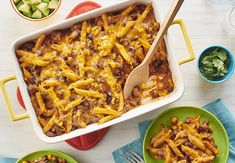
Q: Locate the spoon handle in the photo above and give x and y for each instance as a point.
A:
(174, 8)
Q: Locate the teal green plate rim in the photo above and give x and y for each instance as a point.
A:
(40, 153)
(184, 106)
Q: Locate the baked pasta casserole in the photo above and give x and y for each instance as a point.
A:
(75, 76)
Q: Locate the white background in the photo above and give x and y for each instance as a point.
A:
(205, 28)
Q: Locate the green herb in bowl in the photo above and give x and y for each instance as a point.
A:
(214, 63)
(36, 9)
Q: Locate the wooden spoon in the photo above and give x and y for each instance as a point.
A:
(141, 72)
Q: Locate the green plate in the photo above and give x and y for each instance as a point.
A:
(182, 112)
(38, 154)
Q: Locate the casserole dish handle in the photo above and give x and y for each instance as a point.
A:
(7, 100)
(191, 56)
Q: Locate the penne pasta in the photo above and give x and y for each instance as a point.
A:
(211, 147)
(161, 139)
(39, 42)
(106, 118)
(179, 142)
(72, 104)
(55, 99)
(66, 93)
(106, 23)
(31, 59)
(80, 122)
(81, 63)
(50, 123)
(203, 159)
(69, 121)
(69, 74)
(189, 151)
(27, 74)
(174, 148)
(81, 83)
(168, 158)
(98, 110)
(124, 30)
(49, 56)
(40, 102)
(157, 153)
(84, 33)
(50, 83)
(71, 37)
(88, 93)
(196, 141)
(23, 53)
(64, 48)
(46, 73)
(123, 53)
(144, 14)
(127, 10)
(145, 44)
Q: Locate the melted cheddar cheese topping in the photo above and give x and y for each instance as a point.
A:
(75, 76)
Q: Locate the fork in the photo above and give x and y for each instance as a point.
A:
(133, 157)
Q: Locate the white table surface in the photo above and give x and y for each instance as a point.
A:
(205, 28)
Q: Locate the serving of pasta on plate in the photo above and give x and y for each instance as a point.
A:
(183, 142)
(75, 76)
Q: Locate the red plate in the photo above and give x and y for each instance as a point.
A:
(82, 8)
(19, 97)
(86, 141)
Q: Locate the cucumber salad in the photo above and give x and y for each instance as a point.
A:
(36, 9)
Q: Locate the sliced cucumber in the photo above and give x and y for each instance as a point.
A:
(53, 4)
(46, 1)
(28, 14)
(43, 7)
(37, 14)
(24, 8)
(16, 1)
(34, 7)
(46, 12)
(19, 4)
(33, 2)
(26, 1)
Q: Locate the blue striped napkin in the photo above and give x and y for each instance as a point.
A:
(217, 107)
(7, 160)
